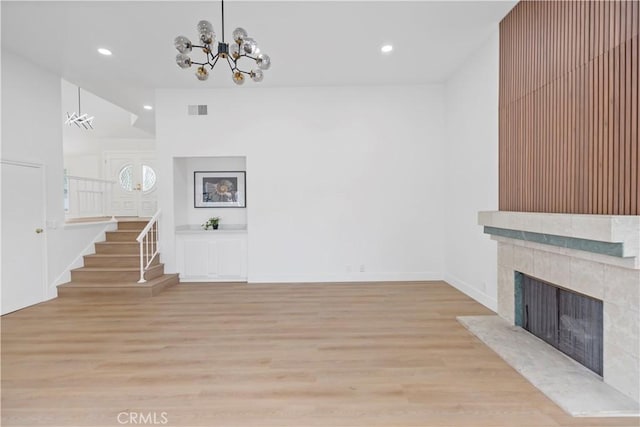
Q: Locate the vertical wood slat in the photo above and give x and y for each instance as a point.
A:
(626, 205)
(633, 58)
(622, 91)
(554, 93)
(604, 170)
(569, 108)
(594, 66)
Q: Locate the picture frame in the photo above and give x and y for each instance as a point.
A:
(220, 189)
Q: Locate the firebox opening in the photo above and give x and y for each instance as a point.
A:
(567, 320)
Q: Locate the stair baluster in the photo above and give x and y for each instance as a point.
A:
(148, 241)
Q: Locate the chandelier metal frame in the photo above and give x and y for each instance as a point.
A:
(79, 119)
(244, 47)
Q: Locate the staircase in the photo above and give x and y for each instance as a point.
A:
(114, 270)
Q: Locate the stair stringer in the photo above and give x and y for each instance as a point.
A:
(78, 262)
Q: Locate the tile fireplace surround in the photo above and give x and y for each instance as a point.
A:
(595, 255)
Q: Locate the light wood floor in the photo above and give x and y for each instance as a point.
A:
(385, 354)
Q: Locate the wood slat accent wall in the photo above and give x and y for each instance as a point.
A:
(569, 107)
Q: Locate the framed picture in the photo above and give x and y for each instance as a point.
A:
(220, 189)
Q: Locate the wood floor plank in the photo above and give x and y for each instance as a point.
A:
(359, 354)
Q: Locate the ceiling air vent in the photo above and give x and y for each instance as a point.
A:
(197, 110)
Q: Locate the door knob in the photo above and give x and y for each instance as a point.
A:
(39, 230)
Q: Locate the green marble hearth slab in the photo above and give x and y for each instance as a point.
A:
(595, 246)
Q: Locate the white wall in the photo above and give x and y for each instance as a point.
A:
(31, 95)
(32, 132)
(87, 158)
(78, 241)
(86, 166)
(184, 210)
(337, 178)
(181, 194)
(471, 184)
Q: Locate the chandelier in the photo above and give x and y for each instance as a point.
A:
(244, 47)
(79, 119)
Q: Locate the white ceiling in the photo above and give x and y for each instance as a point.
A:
(310, 43)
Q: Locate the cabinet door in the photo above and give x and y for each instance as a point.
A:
(212, 262)
(230, 257)
(196, 258)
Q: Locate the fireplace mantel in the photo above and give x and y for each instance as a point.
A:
(595, 255)
(610, 239)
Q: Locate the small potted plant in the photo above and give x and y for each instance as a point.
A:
(212, 223)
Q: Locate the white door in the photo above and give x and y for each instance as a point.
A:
(23, 236)
(135, 190)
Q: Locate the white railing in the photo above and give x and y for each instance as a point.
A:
(87, 197)
(148, 240)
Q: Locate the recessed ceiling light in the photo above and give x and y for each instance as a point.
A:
(148, 107)
(105, 52)
(386, 48)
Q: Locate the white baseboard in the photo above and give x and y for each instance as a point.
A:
(210, 280)
(347, 277)
(488, 301)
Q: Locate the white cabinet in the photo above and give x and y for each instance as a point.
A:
(211, 256)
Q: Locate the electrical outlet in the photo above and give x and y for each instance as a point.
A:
(361, 268)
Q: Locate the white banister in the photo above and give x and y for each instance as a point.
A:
(148, 241)
(87, 197)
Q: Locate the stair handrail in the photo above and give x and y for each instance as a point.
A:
(148, 240)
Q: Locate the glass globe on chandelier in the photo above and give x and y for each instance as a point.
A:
(243, 47)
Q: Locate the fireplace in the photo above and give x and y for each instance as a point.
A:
(583, 286)
(567, 320)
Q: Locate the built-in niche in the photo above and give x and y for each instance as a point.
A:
(186, 214)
